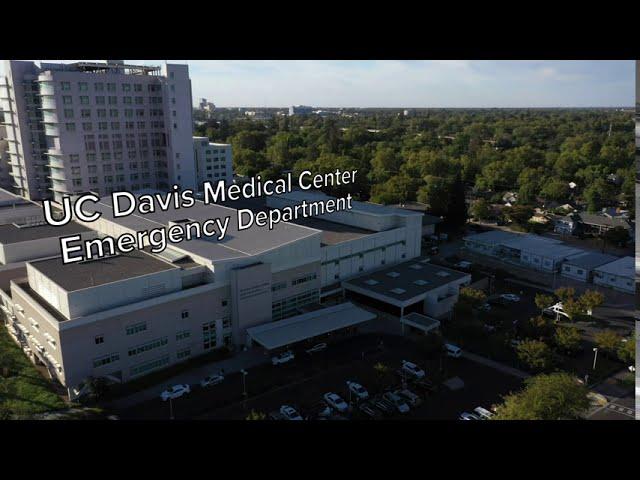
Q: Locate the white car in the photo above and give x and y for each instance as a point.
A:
(483, 413)
(214, 379)
(412, 369)
(336, 402)
(175, 392)
(632, 368)
(464, 265)
(358, 390)
(452, 350)
(317, 348)
(289, 413)
(284, 357)
(468, 416)
(510, 297)
(555, 310)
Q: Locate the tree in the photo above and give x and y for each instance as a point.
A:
(573, 308)
(535, 354)
(591, 299)
(608, 341)
(598, 195)
(431, 343)
(519, 214)
(96, 387)
(565, 293)
(255, 415)
(555, 190)
(480, 209)
(457, 209)
(567, 339)
(618, 236)
(537, 327)
(382, 372)
(554, 396)
(543, 301)
(468, 299)
(627, 350)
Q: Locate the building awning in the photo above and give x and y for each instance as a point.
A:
(308, 325)
(421, 322)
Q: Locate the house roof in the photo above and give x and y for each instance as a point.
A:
(603, 220)
(590, 260)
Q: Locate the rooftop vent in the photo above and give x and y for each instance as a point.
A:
(371, 281)
(398, 291)
(393, 274)
(416, 266)
(421, 282)
(443, 274)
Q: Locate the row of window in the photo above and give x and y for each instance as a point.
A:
(363, 253)
(305, 279)
(110, 87)
(290, 305)
(145, 347)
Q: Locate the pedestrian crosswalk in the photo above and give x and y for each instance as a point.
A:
(629, 412)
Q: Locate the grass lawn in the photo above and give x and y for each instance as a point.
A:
(24, 392)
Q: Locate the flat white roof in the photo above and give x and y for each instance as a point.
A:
(301, 327)
(623, 267)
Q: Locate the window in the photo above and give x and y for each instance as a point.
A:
(278, 286)
(145, 347)
(226, 322)
(126, 87)
(111, 87)
(98, 87)
(224, 303)
(136, 328)
(184, 353)
(145, 367)
(67, 100)
(82, 86)
(84, 100)
(105, 360)
(85, 113)
(113, 100)
(99, 100)
(306, 278)
(65, 86)
(209, 338)
(70, 127)
(99, 339)
(181, 335)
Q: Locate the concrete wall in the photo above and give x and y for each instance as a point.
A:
(577, 273)
(617, 282)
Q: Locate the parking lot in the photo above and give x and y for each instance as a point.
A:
(302, 383)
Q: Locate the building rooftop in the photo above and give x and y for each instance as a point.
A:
(492, 237)
(406, 280)
(236, 244)
(92, 273)
(604, 220)
(308, 325)
(422, 208)
(15, 233)
(590, 260)
(623, 267)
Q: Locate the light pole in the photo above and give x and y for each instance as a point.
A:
(171, 409)
(244, 386)
(595, 357)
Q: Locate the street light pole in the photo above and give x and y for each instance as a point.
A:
(595, 357)
(244, 386)
(171, 409)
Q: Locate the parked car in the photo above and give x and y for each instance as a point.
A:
(485, 307)
(483, 413)
(468, 416)
(336, 402)
(424, 384)
(452, 350)
(555, 311)
(317, 348)
(412, 369)
(289, 413)
(358, 390)
(510, 297)
(175, 392)
(319, 411)
(214, 379)
(398, 403)
(489, 328)
(411, 398)
(369, 410)
(284, 357)
(632, 368)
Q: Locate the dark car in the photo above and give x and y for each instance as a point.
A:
(425, 385)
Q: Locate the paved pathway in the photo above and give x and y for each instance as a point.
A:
(241, 360)
(496, 365)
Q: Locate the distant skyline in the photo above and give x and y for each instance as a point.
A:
(406, 84)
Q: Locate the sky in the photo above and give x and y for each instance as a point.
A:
(419, 83)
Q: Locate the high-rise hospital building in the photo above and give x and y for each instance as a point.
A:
(99, 127)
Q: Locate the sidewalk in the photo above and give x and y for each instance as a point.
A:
(495, 365)
(242, 360)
